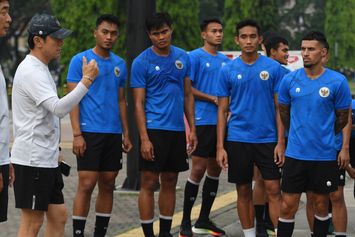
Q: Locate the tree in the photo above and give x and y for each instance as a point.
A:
(265, 12)
(80, 16)
(184, 14)
(339, 18)
(211, 8)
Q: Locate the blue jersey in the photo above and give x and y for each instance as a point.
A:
(205, 69)
(312, 109)
(251, 89)
(163, 79)
(99, 110)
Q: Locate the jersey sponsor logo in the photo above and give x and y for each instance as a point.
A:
(264, 75)
(223, 64)
(207, 64)
(324, 92)
(157, 68)
(117, 71)
(298, 90)
(179, 64)
(239, 76)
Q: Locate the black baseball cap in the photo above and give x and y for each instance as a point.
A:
(45, 24)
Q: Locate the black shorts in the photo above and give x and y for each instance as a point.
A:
(4, 193)
(317, 176)
(169, 152)
(352, 151)
(207, 141)
(242, 157)
(35, 188)
(103, 152)
(341, 175)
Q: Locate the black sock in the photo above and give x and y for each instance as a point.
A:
(101, 224)
(330, 207)
(209, 193)
(320, 227)
(285, 229)
(190, 195)
(147, 227)
(78, 226)
(165, 224)
(259, 213)
(339, 235)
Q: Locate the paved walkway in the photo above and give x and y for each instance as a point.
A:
(125, 222)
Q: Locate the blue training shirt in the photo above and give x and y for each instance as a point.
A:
(251, 89)
(163, 79)
(99, 109)
(312, 107)
(205, 69)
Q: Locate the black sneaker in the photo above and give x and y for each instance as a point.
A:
(185, 229)
(260, 230)
(207, 227)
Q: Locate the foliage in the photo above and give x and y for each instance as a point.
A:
(265, 12)
(80, 16)
(211, 9)
(339, 19)
(184, 14)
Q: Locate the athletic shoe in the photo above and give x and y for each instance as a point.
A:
(260, 230)
(207, 227)
(185, 229)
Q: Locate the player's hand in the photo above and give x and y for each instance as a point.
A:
(79, 146)
(147, 150)
(351, 171)
(192, 142)
(126, 144)
(214, 99)
(11, 175)
(222, 158)
(90, 70)
(279, 154)
(343, 158)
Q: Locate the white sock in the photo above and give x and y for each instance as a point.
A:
(249, 232)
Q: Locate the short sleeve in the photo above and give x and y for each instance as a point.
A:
(279, 73)
(194, 62)
(39, 87)
(343, 96)
(75, 70)
(283, 92)
(188, 67)
(138, 74)
(223, 86)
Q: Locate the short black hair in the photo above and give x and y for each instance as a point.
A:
(273, 43)
(204, 23)
(247, 22)
(109, 18)
(31, 43)
(318, 36)
(158, 20)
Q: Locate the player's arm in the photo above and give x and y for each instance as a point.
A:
(344, 157)
(147, 150)
(222, 115)
(279, 152)
(341, 119)
(203, 96)
(284, 111)
(79, 144)
(189, 109)
(126, 142)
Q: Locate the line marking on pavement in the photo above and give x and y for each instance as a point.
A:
(220, 202)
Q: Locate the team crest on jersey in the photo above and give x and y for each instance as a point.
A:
(223, 64)
(324, 92)
(179, 64)
(264, 75)
(157, 68)
(117, 71)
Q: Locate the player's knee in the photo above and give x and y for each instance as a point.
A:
(288, 209)
(337, 198)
